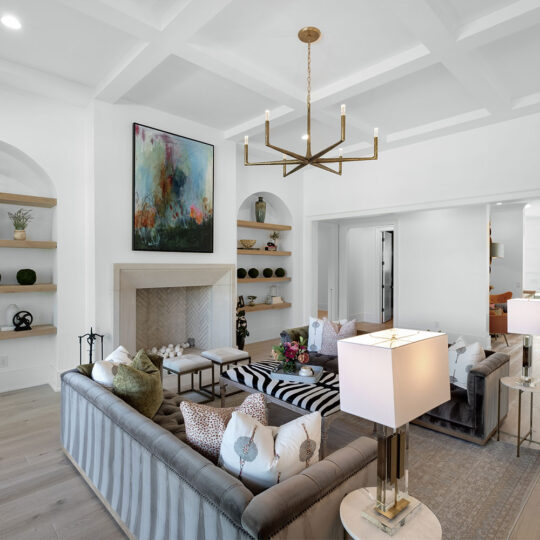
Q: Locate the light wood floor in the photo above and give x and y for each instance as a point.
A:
(42, 497)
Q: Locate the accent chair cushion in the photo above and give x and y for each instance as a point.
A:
(461, 359)
(120, 356)
(139, 384)
(333, 332)
(261, 456)
(225, 354)
(206, 425)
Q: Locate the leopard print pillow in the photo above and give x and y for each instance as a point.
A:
(206, 425)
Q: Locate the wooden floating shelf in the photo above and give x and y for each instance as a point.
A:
(263, 252)
(37, 330)
(264, 307)
(261, 279)
(37, 287)
(27, 200)
(267, 226)
(29, 244)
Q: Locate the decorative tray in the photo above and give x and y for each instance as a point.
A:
(295, 377)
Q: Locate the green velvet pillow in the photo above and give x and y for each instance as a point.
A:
(139, 385)
(86, 369)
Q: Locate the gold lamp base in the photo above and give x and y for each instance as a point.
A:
(395, 510)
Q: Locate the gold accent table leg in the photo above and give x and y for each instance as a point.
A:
(499, 412)
(519, 421)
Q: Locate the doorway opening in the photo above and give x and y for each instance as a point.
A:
(387, 276)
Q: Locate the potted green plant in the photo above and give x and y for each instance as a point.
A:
(20, 220)
(275, 236)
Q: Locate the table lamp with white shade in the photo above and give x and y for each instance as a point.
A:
(524, 318)
(392, 377)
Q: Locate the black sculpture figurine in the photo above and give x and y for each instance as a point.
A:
(22, 321)
(90, 339)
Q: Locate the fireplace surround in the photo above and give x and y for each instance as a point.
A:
(212, 285)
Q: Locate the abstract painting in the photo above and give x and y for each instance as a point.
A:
(173, 192)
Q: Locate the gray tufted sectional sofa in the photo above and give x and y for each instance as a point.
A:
(157, 487)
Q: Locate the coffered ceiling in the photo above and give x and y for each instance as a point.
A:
(414, 68)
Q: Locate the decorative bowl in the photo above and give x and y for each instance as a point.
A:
(247, 244)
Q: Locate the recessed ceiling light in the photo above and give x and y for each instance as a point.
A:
(10, 21)
(305, 137)
(499, 204)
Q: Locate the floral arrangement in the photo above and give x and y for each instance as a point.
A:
(20, 218)
(290, 352)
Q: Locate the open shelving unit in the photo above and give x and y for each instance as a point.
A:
(266, 226)
(263, 252)
(37, 330)
(265, 307)
(263, 280)
(39, 202)
(37, 287)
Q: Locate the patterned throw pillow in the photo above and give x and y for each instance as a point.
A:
(206, 425)
(332, 333)
(315, 334)
(461, 359)
(139, 384)
(261, 456)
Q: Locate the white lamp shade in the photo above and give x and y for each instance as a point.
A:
(524, 316)
(393, 381)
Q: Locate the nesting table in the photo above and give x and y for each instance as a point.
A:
(515, 383)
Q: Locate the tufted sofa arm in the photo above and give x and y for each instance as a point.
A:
(293, 334)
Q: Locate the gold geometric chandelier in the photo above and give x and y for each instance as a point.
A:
(310, 35)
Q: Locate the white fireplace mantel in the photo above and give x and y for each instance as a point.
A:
(130, 277)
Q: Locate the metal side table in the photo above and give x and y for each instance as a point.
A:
(515, 383)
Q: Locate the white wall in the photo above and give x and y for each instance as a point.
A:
(480, 165)
(113, 199)
(442, 272)
(51, 135)
(531, 252)
(326, 238)
(507, 228)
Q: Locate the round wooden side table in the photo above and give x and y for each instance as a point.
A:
(423, 525)
(515, 383)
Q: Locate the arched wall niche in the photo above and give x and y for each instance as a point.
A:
(268, 324)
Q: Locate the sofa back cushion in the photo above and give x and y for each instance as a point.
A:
(333, 332)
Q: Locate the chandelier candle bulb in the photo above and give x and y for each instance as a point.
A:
(266, 116)
(246, 140)
(376, 132)
(341, 152)
(343, 110)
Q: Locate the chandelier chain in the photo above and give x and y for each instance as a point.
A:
(309, 73)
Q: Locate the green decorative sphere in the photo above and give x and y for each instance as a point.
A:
(253, 273)
(280, 272)
(241, 273)
(26, 276)
(267, 272)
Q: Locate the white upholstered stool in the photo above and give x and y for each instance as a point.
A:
(224, 356)
(191, 364)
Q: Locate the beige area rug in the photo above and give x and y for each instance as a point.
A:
(477, 492)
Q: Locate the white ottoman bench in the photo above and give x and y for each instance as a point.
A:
(191, 364)
(224, 356)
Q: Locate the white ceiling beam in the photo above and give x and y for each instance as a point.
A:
(436, 34)
(38, 82)
(509, 20)
(144, 59)
(113, 17)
